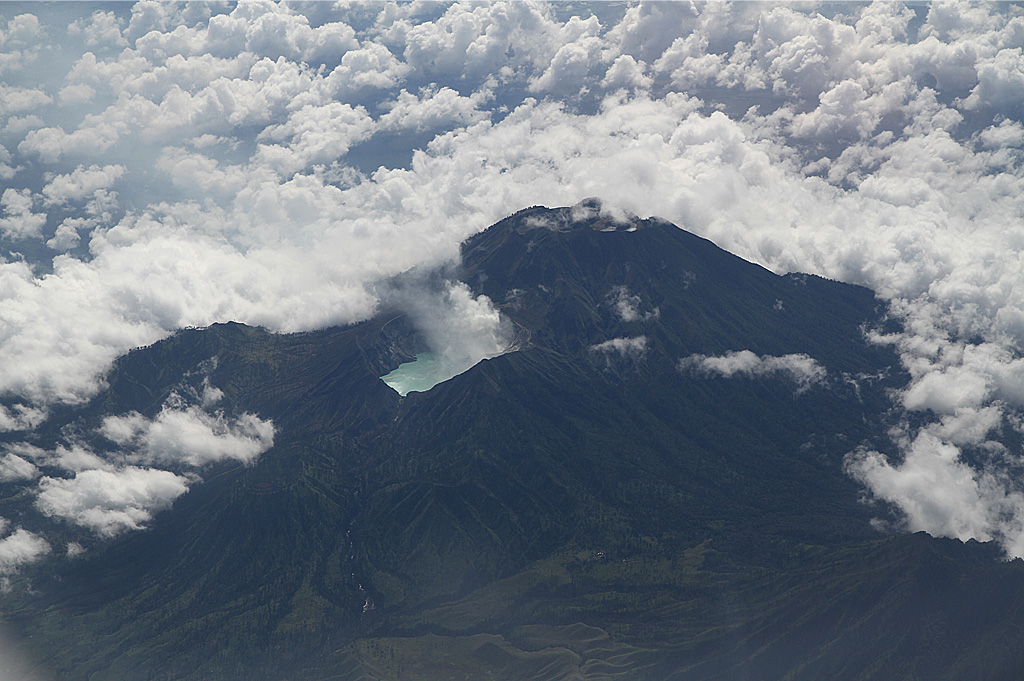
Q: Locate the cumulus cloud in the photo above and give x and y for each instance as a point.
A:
(368, 69)
(15, 100)
(1000, 82)
(433, 109)
(80, 184)
(72, 95)
(19, 221)
(13, 468)
(189, 435)
(100, 30)
(802, 369)
(67, 236)
(257, 27)
(571, 64)
(20, 417)
(473, 40)
(626, 72)
(688, 63)
(110, 502)
(627, 347)
(120, 487)
(936, 491)
(18, 549)
(20, 40)
(6, 170)
(315, 135)
(51, 144)
(647, 30)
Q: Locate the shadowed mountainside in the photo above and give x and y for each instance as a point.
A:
(588, 506)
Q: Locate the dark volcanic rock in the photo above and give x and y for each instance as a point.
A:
(584, 506)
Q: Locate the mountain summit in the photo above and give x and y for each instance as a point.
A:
(646, 482)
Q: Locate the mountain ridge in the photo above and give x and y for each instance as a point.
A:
(575, 508)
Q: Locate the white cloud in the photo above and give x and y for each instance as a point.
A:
(150, 15)
(1007, 135)
(23, 30)
(15, 100)
(202, 175)
(969, 426)
(80, 184)
(433, 109)
(189, 436)
(688, 63)
(626, 72)
(14, 468)
(628, 306)
(315, 135)
(73, 95)
(476, 40)
(110, 492)
(802, 369)
(27, 451)
(263, 28)
(848, 111)
(101, 29)
(135, 75)
(944, 392)
(20, 40)
(949, 20)
(67, 235)
(648, 29)
(7, 172)
(1000, 82)
(109, 502)
(20, 417)
(936, 491)
(370, 68)
(75, 457)
(52, 144)
(19, 125)
(277, 34)
(19, 222)
(188, 96)
(569, 66)
(20, 548)
(627, 347)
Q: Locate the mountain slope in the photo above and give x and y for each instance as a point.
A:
(592, 505)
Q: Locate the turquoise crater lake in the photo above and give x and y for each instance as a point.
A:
(420, 375)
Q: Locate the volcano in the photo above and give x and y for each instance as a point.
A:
(647, 482)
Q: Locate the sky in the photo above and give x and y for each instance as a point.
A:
(165, 166)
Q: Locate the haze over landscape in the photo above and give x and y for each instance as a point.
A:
(167, 166)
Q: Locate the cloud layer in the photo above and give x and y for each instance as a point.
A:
(175, 165)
